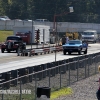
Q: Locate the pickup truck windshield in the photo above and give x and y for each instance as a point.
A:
(88, 33)
(13, 38)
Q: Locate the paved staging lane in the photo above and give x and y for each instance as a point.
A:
(10, 61)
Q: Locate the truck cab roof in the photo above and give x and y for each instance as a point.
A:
(14, 38)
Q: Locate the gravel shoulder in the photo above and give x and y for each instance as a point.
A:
(84, 89)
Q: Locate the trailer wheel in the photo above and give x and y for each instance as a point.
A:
(79, 52)
(17, 50)
(85, 52)
(2, 50)
(64, 52)
(69, 53)
(8, 51)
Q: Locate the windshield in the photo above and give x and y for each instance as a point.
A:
(74, 42)
(13, 38)
(88, 33)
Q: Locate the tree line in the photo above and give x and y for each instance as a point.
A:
(86, 11)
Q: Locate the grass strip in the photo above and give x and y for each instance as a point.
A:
(61, 92)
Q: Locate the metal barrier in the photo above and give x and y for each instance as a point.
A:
(44, 50)
(23, 83)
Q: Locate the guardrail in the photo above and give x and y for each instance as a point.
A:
(39, 51)
(55, 75)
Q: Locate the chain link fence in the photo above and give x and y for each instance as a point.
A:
(55, 75)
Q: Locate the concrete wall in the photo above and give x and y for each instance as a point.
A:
(61, 26)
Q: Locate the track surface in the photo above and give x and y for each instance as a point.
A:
(10, 61)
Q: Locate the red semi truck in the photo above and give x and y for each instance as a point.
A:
(25, 36)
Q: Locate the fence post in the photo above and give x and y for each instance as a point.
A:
(88, 65)
(95, 64)
(57, 68)
(49, 76)
(85, 68)
(69, 72)
(2, 93)
(20, 90)
(60, 76)
(78, 70)
(35, 84)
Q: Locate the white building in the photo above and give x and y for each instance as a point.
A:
(44, 32)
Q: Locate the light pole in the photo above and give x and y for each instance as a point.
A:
(43, 37)
(55, 25)
(31, 34)
(58, 37)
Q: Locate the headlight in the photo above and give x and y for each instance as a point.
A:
(64, 47)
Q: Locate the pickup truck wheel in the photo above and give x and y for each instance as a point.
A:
(79, 52)
(69, 53)
(64, 52)
(2, 50)
(85, 52)
(17, 50)
(8, 51)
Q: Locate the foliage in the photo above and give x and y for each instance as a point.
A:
(84, 10)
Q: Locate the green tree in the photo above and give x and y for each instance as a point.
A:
(84, 10)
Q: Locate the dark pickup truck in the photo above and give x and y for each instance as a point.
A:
(13, 43)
